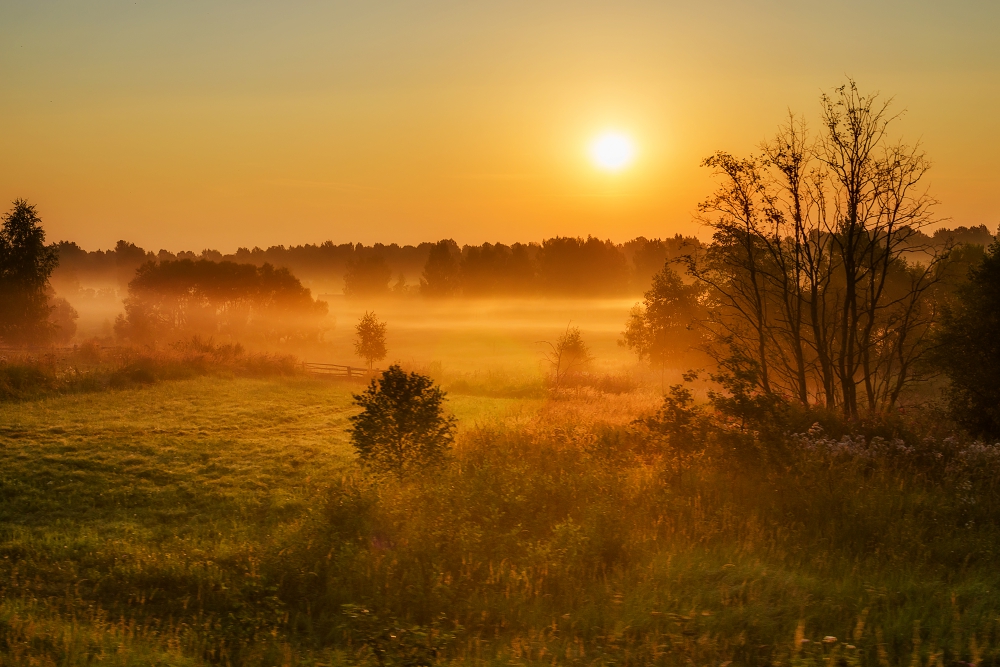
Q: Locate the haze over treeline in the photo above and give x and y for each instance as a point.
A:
(558, 266)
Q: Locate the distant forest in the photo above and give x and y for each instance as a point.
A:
(559, 266)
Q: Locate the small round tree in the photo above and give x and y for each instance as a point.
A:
(569, 355)
(402, 426)
(369, 343)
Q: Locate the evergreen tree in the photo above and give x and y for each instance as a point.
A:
(25, 266)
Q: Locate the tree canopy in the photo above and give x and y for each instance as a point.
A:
(177, 298)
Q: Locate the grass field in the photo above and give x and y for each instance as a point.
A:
(150, 496)
(223, 521)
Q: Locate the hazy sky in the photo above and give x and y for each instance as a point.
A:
(221, 123)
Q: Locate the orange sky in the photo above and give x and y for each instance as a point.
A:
(186, 125)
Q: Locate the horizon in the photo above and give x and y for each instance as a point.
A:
(929, 231)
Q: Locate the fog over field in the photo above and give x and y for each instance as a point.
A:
(499, 334)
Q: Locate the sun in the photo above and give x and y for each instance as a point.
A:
(612, 151)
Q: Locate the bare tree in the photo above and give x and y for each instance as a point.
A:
(878, 205)
(811, 270)
(734, 266)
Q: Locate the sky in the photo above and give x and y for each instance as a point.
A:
(219, 124)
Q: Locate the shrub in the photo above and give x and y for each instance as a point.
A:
(569, 356)
(402, 426)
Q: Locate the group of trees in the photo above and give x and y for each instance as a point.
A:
(175, 299)
(560, 266)
(811, 269)
(819, 285)
(320, 265)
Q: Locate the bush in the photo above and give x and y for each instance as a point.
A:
(402, 426)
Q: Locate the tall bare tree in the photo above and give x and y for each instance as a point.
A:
(878, 205)
(812, 266)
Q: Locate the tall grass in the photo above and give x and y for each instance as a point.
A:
(565, 540)
(562, 537)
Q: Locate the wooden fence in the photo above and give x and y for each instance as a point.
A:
(337, 370)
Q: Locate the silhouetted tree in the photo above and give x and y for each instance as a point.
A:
(25, 266)
(969, 348)
(367, 276)
(369, 341)
(879, 200)
(441, 276)
(402, 427)
(667, 323)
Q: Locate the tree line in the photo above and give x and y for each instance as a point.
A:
(174, 299)
(167, 300)
(559, 266)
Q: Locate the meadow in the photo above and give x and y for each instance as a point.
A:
(223, 520)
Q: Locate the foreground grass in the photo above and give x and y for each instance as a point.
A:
(147, 503)
(217, 521)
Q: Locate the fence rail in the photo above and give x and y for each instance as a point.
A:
(336, 370)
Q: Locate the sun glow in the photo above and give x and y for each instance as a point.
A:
(612, 151)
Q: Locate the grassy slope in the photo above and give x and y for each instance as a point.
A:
(156, 496)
